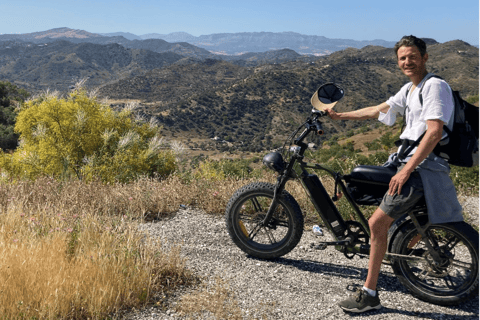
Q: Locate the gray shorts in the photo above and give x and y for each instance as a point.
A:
(397, 205)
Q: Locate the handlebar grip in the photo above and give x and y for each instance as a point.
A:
(318, 125)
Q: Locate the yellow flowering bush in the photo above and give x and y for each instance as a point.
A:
(79, 136)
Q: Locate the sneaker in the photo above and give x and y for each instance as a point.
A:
(361, 302)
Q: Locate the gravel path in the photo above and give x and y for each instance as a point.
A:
(305, 284)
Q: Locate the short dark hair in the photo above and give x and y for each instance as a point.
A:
(410, 41)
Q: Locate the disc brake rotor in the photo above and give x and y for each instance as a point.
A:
(436, 270)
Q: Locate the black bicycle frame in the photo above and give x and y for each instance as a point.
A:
(315, 190)
(322, 201)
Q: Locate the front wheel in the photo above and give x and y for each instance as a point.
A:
(244, 217)
(450, 281)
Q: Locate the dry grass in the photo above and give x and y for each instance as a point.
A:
(87, 272)
(72, 249)
(63, 256)
(217, 300)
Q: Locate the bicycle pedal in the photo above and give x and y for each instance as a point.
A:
(321, 246)
(354, 287)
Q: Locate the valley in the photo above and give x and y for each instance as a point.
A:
(220, 103)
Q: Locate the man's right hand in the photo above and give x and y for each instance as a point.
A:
(332, 114)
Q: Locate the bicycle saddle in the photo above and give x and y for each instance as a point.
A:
(372, 174)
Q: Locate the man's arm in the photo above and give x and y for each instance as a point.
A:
(426, 146)
(361, 114)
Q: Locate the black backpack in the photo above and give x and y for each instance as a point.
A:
(460, 146)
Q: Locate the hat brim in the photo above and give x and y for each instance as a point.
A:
(327, 96)
(319, 105)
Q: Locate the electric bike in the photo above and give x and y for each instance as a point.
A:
(437, 263)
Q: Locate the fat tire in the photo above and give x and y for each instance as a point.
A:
(291, 211)
(468, 236)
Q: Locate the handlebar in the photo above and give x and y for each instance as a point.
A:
(312, 124)
(319, 128)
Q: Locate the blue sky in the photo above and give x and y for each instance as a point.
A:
(349, 19)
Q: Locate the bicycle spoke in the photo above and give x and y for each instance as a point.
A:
(256, 204)
(270, 236)
(251, 232)
(254, 231)
(249, 218)
(424, 273)
(449, 282)
(451, 244)
(281, 223)
(461, 264)
(446, 273)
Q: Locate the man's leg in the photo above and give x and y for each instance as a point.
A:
(379, 224)
(392, 207)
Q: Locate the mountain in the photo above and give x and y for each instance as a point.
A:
(171, 37)
(237, 43)
(50, 34)
(221, 43)
(158, 45)
(252, 100)
(268, 57)
(80, 36)
(60, 64)
(126, 35)
(256, 107)
(169, 86)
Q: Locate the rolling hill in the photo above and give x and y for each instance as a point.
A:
(266, 102)
(251, 101)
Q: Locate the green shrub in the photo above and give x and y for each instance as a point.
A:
(78, 136)
(388, 139)
(472, 99)
(373, 145)
(465, 179)
(226, 168)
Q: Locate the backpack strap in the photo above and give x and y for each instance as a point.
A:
(408, 145)
(421, 88)
(404, 124)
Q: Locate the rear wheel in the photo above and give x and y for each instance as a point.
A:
(244, 217)
(451, 280)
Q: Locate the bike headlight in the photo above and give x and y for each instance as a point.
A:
(274, 161)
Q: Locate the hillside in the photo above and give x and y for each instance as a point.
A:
(267, 102)
(251, 101)
(220, 43)
(49, 34)
(237, 43)
(165, 87)
(60, 64)
(81, 36)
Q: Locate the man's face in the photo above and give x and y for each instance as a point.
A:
(411, 61)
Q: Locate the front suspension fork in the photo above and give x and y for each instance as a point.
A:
(279, 187)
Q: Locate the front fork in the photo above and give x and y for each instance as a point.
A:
(279, 187)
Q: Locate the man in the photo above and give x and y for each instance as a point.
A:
(421, 173)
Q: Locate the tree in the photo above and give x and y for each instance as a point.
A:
(78, 136)
(8, 94)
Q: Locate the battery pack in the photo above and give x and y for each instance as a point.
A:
(324, 205)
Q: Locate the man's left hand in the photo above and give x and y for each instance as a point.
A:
(397, 182)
